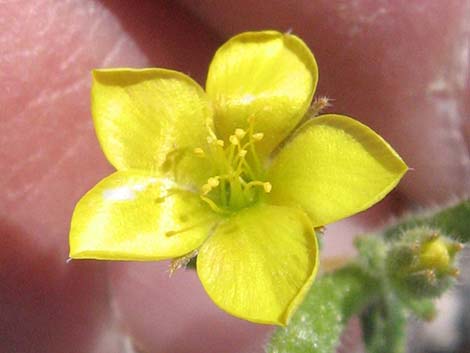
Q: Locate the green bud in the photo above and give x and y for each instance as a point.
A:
(421, 264)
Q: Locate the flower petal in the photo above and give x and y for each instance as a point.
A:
(267, 75)
(131, 215)
(150, 119)
(334, 167)
(259, 264)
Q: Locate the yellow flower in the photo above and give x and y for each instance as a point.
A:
(228, 173)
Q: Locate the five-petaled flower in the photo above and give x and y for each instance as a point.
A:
(239, 173)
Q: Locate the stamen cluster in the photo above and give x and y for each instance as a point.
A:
(238, 172)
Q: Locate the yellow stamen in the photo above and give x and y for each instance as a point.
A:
(267, 187)
(238, 169)
(213, 182)
(198, 151)
(234, 140)
(240, 133)
(242, 153)
(212, 204)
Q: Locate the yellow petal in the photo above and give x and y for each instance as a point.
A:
(267, 75)
(333, 168)
(150, 119)
(131, 215)
(259, 264)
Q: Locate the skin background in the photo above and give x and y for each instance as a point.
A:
(402, 67)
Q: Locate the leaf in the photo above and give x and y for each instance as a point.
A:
(317, 325)
(454, 221)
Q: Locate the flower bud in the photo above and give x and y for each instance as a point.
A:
(421, 263)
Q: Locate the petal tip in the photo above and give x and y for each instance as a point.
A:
(76, 254)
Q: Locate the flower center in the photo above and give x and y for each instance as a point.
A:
(237, 182)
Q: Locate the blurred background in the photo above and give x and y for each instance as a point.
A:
(401, 67)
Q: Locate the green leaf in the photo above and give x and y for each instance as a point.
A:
(317, 326)
(454, 221)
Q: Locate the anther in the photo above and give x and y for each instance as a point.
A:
(240, 133)
(213, 182)
(242, 153)
(267, 187)
(258, 136)
(198, 151)
(220, 143)
(234, 140)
